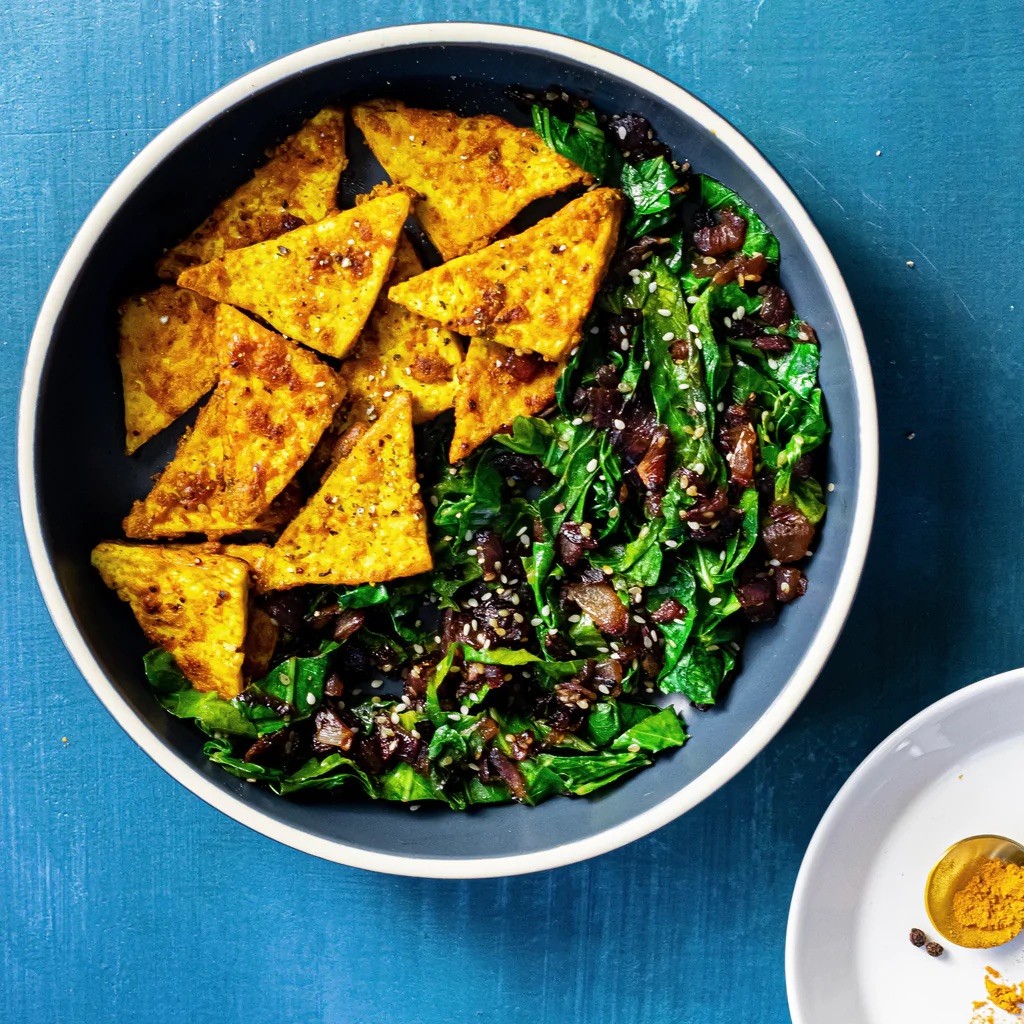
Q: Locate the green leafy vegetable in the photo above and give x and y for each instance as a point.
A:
(759, 239)
(649, 188)
(581, 140)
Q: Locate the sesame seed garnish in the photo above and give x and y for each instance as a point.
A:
(591, 465)
(310, 698)
(714, 601)
(619, 424)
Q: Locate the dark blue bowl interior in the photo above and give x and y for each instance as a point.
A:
(86, 483)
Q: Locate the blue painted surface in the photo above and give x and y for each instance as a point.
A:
(127, 898)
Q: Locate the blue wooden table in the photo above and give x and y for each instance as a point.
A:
(126, 898)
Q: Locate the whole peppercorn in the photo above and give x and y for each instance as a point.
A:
(917, 937)
(933, 949)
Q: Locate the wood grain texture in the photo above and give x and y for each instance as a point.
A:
(127, 898)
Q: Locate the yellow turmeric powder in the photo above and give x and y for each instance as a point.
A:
(991, 900)
(1007, 997)
(1001, 996)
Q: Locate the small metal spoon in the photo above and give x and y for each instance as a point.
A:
(951, 873)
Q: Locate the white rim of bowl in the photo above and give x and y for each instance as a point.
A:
(837, 809)
(748, 746)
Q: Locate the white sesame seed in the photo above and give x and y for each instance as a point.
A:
(591, 465)
(831, 488)
(700, 407)
(692, 300)
(619, 424)
(634, 748)
(715, 601)
(652, 287)
(310, 698)
(377, 683)
(164, 319)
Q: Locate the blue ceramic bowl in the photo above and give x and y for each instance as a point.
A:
(76, 482)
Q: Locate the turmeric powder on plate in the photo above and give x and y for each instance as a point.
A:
(1001, 996)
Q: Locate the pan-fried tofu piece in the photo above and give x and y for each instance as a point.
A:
(474, 173)
(366, 524)
(271, 404)
(168, 359)
(400, 350)
(298, 185)
(316, 284)
(194, 605)
(259, 558)
(494, 387)
(530, 292)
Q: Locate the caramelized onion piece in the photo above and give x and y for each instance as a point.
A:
(728, 233)
(788, 533)
(602, 604)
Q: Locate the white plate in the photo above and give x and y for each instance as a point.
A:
(954, 770)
